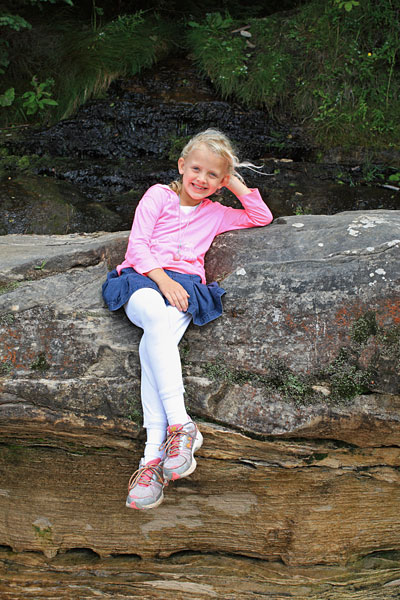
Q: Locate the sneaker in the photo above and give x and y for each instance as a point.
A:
(146, 485)
(181, 444)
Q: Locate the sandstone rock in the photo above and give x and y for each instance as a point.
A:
(301, 503)
(184, 577)
(288, 474)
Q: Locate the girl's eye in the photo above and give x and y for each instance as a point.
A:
(195, 168)
(213, 174)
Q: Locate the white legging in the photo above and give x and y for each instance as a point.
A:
(161, 384)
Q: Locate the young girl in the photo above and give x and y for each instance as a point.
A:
(162, 286)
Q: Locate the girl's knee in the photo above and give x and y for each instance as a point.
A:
(146, 308)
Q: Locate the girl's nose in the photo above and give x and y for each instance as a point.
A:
(201, 177)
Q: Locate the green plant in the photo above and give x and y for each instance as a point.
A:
(177, 143)
(17, 23)
(38, 99)
(8, 97)
(40, 364)
(357, 87)
(6, 367)
(12, 164)
(395, 177)
(371, 173)
(278, 377)
(82, 61)
(212, 43)
(255, 72)
(7, 319)
(346, 378)
(97, 11)
(90, 61)
(9, 287)
(279, 140)
(294, 388)
(135, 412)
(333, 65)
(390, 344)
(44, 533)
(41, 266)
(302, 210)
(348, 5)
(364, 327)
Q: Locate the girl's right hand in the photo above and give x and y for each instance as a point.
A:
(174, 292)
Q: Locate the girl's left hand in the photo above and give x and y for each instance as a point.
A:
(236, 186)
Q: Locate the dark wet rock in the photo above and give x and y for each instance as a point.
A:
(147, 115)
(289, 188)
(139, 126)
(32, 204)
(298, 192)
(105, 181)
(172, 80)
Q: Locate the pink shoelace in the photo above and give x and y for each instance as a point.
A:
(171, 445)
(143, 476)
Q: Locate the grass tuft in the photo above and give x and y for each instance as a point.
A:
(92, 60)
(83, 62)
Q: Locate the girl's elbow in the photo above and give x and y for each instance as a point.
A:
(264, 220)
(269, 219)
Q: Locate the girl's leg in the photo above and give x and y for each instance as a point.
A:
(173, 404)
(161, 385)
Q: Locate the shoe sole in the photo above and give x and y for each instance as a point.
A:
(198, 442)
(148, 506)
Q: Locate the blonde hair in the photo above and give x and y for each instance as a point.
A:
(219, 144)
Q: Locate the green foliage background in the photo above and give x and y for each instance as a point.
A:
(336, 69)
(332, 65)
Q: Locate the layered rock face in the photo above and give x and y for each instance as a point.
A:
(295, 389)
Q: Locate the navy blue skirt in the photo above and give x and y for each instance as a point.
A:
(205, 303)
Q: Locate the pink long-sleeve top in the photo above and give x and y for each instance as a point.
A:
(160, 227)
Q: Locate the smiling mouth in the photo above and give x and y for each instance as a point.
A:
(199, 187)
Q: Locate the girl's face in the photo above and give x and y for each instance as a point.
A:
(203, 173)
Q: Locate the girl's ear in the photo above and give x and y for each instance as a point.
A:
(181, 164)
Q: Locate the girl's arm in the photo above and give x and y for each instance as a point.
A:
(171, 289)
(138, 253)
(255, 213)
(237, 187)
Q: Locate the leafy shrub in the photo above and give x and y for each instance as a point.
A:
(333, 64)
(80, 59)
